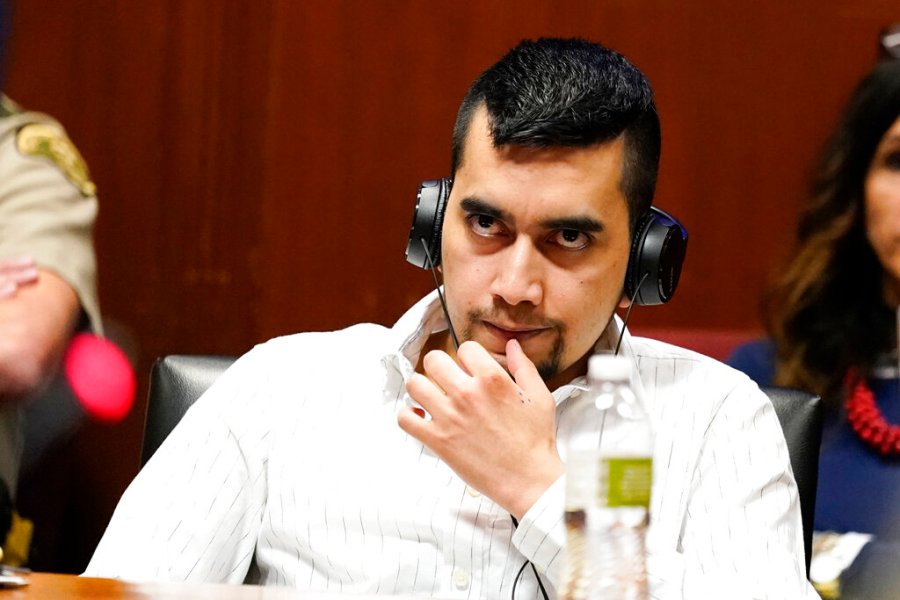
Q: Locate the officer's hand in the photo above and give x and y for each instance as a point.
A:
(16, 272)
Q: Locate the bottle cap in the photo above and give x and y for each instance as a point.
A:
(609, 366)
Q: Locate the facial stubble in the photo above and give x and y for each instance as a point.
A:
(547, 368)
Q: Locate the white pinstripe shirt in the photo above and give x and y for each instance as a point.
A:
(292, 470)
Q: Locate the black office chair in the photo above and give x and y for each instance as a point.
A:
(800, 414)
(176, 381)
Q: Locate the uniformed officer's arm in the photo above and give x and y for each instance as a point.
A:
(35, 326)
(47, 211)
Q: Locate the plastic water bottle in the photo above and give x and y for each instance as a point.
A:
(609, 468)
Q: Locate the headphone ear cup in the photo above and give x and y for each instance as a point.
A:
(428, 220)
(657, 255)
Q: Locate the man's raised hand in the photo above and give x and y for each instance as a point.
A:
(496, 432)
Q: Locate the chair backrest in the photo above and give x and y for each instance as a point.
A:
(176, 381)
(800, 414)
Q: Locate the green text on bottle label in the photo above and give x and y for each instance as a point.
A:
(628, 481)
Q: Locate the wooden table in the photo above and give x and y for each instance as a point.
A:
(51, 586)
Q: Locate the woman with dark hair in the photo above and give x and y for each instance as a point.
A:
(832, 316)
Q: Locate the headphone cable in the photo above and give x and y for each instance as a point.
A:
(437, 286)
(628, 312)
(522, 570)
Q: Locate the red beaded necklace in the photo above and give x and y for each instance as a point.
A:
(865, 417)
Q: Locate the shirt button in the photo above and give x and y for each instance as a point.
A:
(461, 579)
(472, 492)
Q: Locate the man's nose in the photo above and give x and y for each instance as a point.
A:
(519, 276)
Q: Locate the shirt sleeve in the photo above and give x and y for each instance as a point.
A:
(742, 534)
(193, 512)
(541, 534)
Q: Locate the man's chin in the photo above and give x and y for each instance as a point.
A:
(542, 348)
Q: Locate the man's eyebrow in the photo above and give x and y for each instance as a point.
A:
(480, 207)
(586, 224)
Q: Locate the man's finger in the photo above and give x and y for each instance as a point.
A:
(443, 371)
(413, 423)
(426, 393)
(475, 359)
(522, 369)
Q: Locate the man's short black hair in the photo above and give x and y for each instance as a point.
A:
(571, 93)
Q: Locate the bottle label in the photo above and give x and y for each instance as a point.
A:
(628, 481)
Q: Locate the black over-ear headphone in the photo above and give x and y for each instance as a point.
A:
(654, 265)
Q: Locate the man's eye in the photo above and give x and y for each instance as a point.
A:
(484, 225)
(571, 239)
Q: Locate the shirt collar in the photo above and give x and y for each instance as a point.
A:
(417, 324)
(411, 332)
(425, 317)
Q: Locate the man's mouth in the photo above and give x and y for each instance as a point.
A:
(508, 331)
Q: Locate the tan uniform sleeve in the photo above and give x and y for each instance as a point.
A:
(47, 202)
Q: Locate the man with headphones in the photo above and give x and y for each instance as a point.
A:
(292, 469)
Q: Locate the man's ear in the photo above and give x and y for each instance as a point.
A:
(624, 301)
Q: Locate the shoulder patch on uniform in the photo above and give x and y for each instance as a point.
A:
(48, 141)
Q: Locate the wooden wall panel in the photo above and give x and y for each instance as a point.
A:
(257, 160)
(163, 98)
